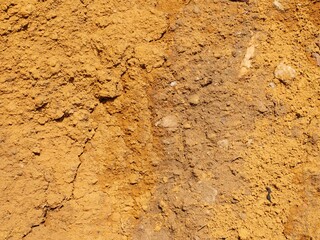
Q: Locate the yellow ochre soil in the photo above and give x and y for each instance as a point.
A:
(159, 119)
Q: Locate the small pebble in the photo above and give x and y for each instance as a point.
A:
(278, 5)
(217, 55)
(58, 114)
(196, 10)
(285, 73)
(223, 143)
(211, 136)
(165, 179)
(53, 61)
(108, 93)
(261, 107)
(272, 85)
(169, 121)
(173, 84)
(36, 151)
(187, 126)
(316, 56)
(25, 11)
(243, 234)
(194, 99)
(249, 142)
(42, 120)
(246, 62)
(133, 178)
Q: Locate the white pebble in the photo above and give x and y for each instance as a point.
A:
(173, 84)
(278, 5)
(285, 73)
(169, 121)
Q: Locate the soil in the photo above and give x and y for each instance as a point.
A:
(176, 119)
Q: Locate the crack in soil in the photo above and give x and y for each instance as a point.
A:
(47, 208)
(78, 167)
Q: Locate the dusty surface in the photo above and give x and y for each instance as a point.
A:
(159, 119)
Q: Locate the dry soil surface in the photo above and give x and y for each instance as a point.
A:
(159, 119)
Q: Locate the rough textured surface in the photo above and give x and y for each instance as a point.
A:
(159, 119)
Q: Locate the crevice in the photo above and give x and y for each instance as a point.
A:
(75, 177)
(80, 162)
(106, 99)
(32, 227)
(46, 209)
(43, 220)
